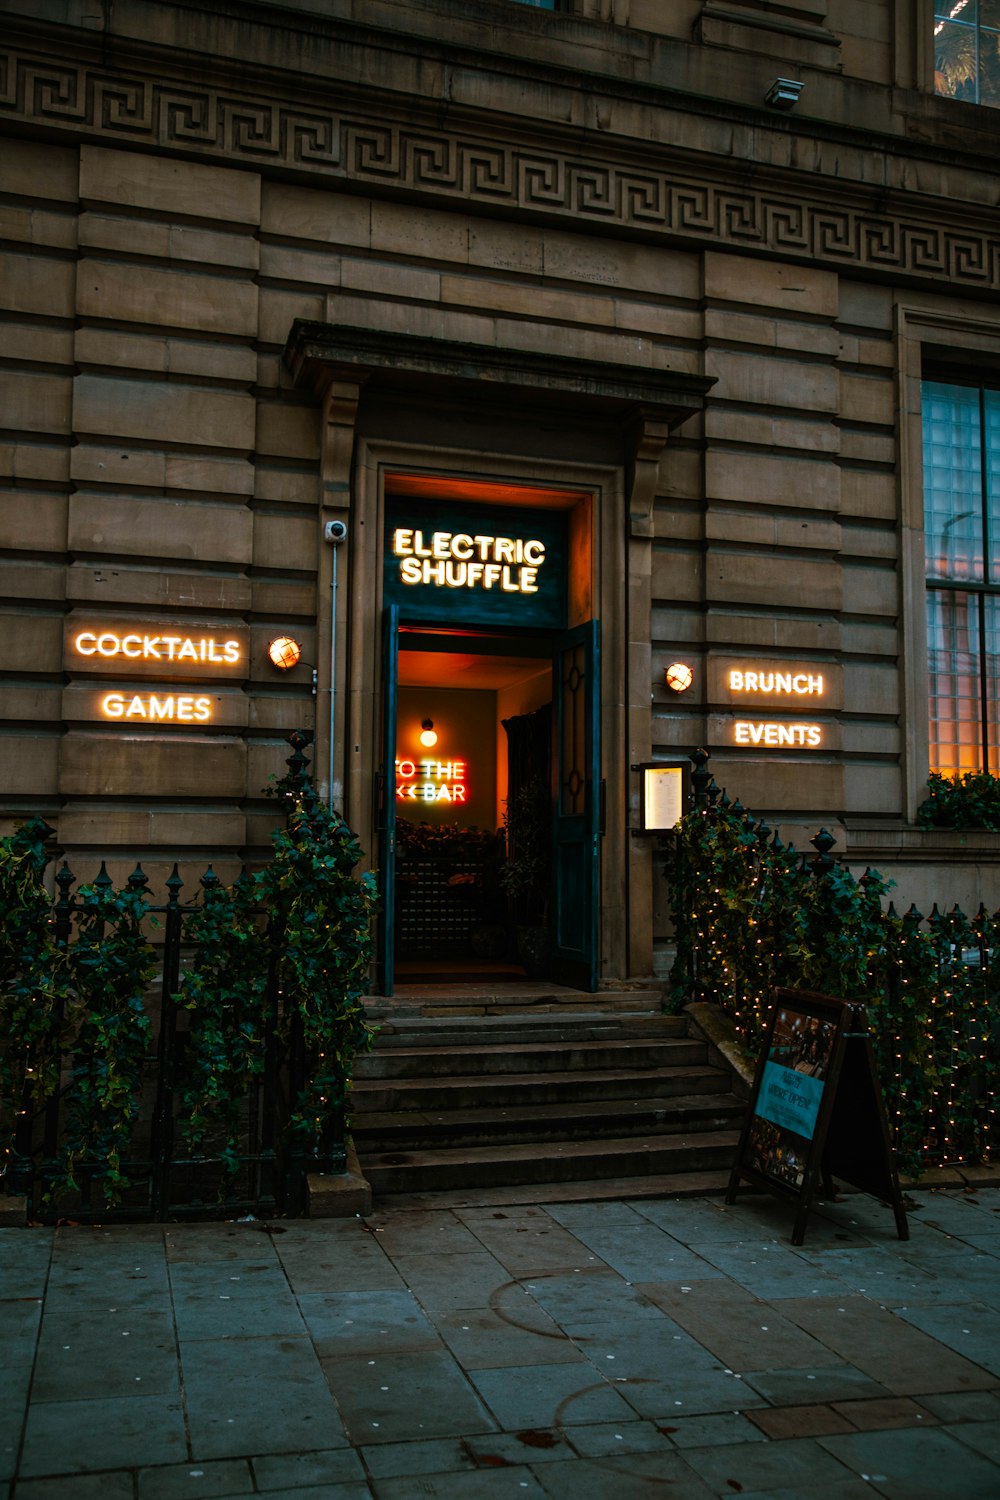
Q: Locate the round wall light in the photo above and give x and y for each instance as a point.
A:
(428, 734)
(678, 676)
(283, 652)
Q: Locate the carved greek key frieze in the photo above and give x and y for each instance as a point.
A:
(111, 106)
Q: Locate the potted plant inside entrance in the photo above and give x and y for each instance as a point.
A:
(525, 875)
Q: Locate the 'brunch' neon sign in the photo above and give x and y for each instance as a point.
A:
(430, 781)
(804, 684)
(457, 560)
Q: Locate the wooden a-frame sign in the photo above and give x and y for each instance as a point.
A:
(816, 1109)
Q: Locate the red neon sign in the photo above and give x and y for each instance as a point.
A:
(430, 781)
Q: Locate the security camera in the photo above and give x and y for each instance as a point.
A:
(335, 532)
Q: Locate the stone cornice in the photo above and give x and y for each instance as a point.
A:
(456, 155)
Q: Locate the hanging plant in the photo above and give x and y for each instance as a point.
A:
(968, 801)
(111, 964)
(225, 993)
(32, 980)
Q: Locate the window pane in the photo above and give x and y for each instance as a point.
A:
(953, 663)
(949, 10)
(989, 68)
(992, 413)
(989, 12)
(955, 60)
(953, 523)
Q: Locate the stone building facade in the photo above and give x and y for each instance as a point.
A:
(668, 277)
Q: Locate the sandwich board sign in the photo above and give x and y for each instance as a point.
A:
(816, 1110)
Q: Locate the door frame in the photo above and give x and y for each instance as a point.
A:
(618, 594)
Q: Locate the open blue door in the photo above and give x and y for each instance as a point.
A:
(385, 784)
(576, 807)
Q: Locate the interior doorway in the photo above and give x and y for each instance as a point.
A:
(472, 756)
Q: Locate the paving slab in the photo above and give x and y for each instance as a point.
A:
(346, 1325)
(741, 1331)
(796, 1465)
(21, 1322)
(25, 1255)
(393, 1397)
(969, 1328)
(72, 1437)
(295, 1471)
(451, 1281)
(237, 1389)
(908, 1465)
(517, 1332)
(634, 1476)
(556, 1396)
(198, 1481)
(485, 1484)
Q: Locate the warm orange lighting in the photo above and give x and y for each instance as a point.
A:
(136, 647)
(679, 676)
(157, 708)
(775, 735)
(284, 653)
(428, 734)
(428, 780)
(457, 560)
(804, 684)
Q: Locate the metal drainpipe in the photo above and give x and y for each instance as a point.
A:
(334, 532)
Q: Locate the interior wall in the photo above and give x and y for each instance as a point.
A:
(464, 720)
(518, 698)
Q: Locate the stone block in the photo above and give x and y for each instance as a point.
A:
(289, 542)
(431, 322)
(872, 788)
(528, 300)
(146, 764)
(35, 284)
(20, 224)
(869, 740)
(767, 782)
(281, 713)
(339, 1195)
(152, 589)
(166, 298)
(46, 462)
(111, 349)
(93, 464)
(772, 480)
(279, 309)
(302, 213)
(871, 688)
(863, 638)
(157, 411)
(867, 447)
(32, 520)
(768, 579)
(31, 580)
(781, 383)
(867, 398)
(40, 344)
(294, 263)
(35, 403)
(185, 243)
(869, 493)
(145, 827)
(869, 541)
(29, 703)
(290, 486)
(760, 283)
(765, 430)
(869, 589)
(755, 528)
(146, 527)
(284, 598)
(287, 429)
(506, 247)
(866, 306)
(29, 765)
(730, 628)
(158, 649)
(29, 169)
(419, 233)
(168, 187)
(678, 575)
(31, 643)
(265, 764)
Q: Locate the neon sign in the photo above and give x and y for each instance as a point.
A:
(804, 684)
(778, 735)
(150, 708)
(458, 560)
(430, 781)
(203, 650)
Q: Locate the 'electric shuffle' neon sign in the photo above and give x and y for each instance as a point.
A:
(457, 560)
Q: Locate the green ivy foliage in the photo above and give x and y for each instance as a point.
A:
(750, 916)
(111, 964)
(968, 801)
(225, 991)
(323, 912)
(33, 982)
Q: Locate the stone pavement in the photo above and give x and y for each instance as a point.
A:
(668, 1347)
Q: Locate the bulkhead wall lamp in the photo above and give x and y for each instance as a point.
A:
(783, 93)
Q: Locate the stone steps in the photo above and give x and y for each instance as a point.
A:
(572, 1103)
